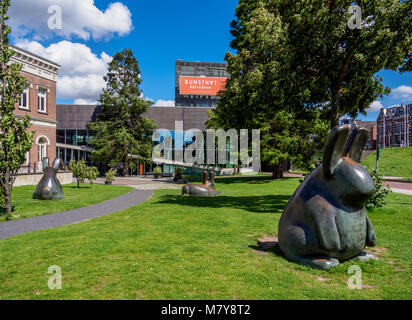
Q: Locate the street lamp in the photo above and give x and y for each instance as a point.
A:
(384, 126)
(405, 126)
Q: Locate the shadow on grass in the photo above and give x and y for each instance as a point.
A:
(274, 250)
(75, 187)
(258, 204)
(244, 179)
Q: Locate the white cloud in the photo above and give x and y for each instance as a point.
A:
(80, 18)
(85, 102)
(81, 75)
(375, 106)
(164, 103)
(402, 92)
(86, 87)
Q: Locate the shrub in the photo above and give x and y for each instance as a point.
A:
(381, 191)
(179, 173)
(82, 171)
(110, 175)
(157, 170)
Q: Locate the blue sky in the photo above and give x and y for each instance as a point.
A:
(158, 32)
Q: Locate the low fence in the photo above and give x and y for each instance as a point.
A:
(36, 167)
(31, 174)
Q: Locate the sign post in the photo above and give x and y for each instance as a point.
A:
(378, 149)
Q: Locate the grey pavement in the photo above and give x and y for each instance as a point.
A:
(12, 228)
(402, 191)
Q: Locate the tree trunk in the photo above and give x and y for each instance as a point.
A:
(334, 116)
(125, 172)
(7, 193)
(277, 171)
(335, 90)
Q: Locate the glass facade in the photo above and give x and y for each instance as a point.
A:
(76, 138)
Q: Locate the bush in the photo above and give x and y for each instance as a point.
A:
(381, 191)
(179, 173)
(157, 170)
(110, 175)
(82, 171)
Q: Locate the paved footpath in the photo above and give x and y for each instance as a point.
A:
(400, 187)
(12, 228)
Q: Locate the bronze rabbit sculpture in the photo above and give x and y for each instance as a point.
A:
(49, 187)
(206, 189)
(325, 221)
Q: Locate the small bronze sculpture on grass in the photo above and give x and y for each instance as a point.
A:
(49, 187)
(206, 189)
(325, 221)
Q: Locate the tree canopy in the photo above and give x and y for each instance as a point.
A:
(300, 64)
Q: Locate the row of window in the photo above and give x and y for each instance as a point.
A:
(207, 71)
(24, 101)
(399, 127)
(74, 137)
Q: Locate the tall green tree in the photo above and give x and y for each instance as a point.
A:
(258, 94)
(335, 64)
(122, 132)
(302, 58)
(15, 139)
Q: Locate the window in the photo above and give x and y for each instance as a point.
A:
(42, 149)
(24, 99)
(26, 163)
(42, 101)
(60, 136)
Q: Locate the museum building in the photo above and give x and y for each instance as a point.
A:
(38, 100)
(73, 135)
(197, 84)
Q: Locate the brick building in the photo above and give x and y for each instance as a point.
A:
(39, 101)
(394, 125)
(370, 126)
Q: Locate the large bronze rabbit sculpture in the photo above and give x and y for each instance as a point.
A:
(49, 187)
(325, 221)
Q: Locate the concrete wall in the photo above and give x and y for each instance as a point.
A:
(33, 179)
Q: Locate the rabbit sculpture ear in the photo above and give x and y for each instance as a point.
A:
(204, 177)
(45, 163)
(356, 143)
(334, 148)
(56, 163)
(212, 176)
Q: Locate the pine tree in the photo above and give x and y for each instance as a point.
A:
(122, 132)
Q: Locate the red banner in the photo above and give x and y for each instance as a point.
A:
(201, 85)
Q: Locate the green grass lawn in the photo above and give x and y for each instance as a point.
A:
(174, 247)
(25, 206)
(394, 162)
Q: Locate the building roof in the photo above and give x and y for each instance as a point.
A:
(77, 116)
(35, 55)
